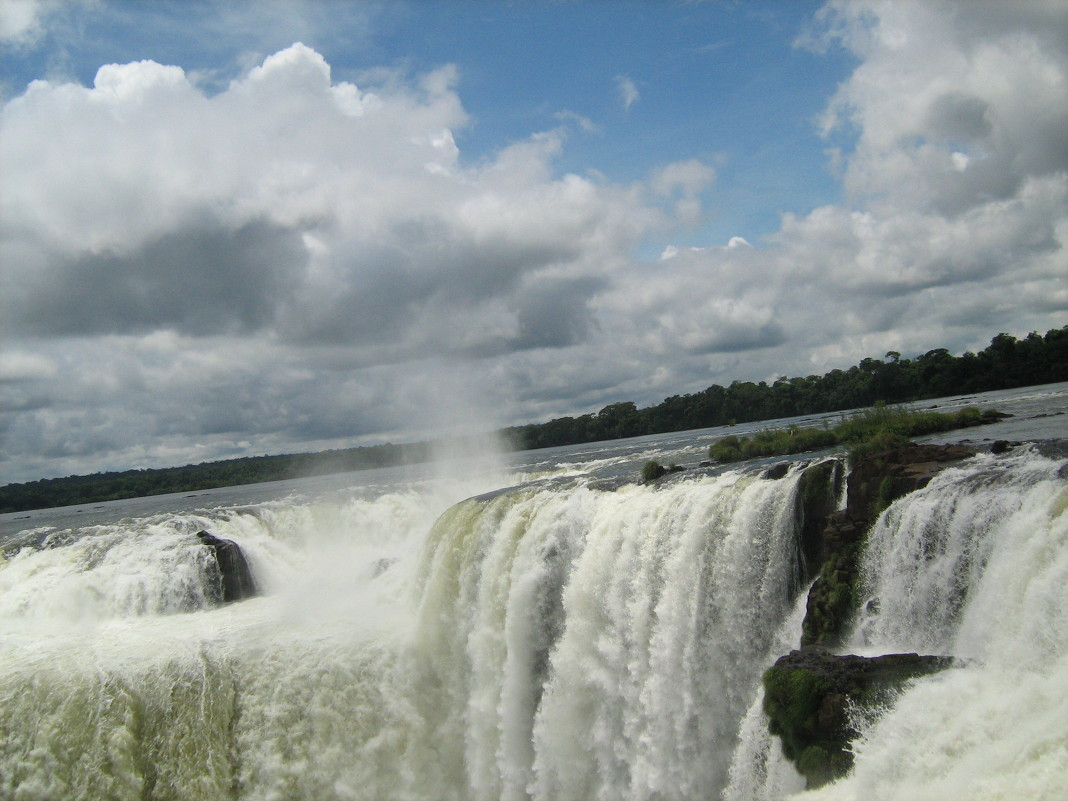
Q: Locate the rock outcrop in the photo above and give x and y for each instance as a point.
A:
(879, 479)
(235, 581)
(812, 697)
(875, 481)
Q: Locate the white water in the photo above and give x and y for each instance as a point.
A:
(555, 641)
(975, 565)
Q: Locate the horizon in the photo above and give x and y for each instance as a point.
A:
(233, 229)
(500, 435)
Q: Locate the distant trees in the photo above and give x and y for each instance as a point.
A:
(1007, 362)
(231, 472)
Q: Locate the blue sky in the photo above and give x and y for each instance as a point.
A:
(248, 227)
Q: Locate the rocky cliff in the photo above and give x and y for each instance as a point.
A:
(812, 695)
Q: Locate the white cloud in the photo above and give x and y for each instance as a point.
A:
(684, 181)
(628, 91)
(583, 122)
(23, 366)
(286, 204)
(986, 82)
(293, 261)
(958, 189)
(19, 19)
(287, 218)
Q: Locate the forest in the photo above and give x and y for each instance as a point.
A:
(1006, 363)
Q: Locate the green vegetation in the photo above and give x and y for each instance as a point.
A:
(1006, 363)
(652, 470)
(791, 701)
(868, 431)
(813, 700)
(772, 442)
(832, 599)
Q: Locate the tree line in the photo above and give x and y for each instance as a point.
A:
(1006, 363)
(113, 486)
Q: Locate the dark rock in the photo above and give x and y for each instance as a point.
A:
(875, 481)
(234, 578)
(831, 601)
(818, 491)
(809, 696)
(880, 478)
(652, 470)
(992, 415)
(1002, 445)
(777, 471)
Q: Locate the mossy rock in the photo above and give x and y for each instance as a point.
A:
(817, 497)
(831, 601)
(875, 481)
(792, 698)
(809, 695)
(653, 470)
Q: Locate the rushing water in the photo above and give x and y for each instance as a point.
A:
(576, 636)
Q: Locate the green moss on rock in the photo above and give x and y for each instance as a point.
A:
(809, 695)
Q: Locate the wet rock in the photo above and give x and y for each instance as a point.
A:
(874, 483)
(812, 697)
(653, 470)
(776, 471)
(818, 491)
(235, 581)
(831, 601)
(881, 478)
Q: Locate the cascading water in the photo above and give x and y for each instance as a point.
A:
(553, 641)
(548, 642)
(976, 566)
(594, 645)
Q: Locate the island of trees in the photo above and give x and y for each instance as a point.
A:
(1006, 363)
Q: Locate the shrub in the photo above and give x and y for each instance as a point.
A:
(867, 431)
(652, 470)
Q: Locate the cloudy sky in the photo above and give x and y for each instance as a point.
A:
(232, 228)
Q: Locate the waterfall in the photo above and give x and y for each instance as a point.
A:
(604, 645)
(558, 640)
(975, 565)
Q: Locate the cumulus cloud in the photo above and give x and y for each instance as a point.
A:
(296, 261)
(287, 204)
(685, 181)
(289, 218)
(954, 225)
(981, 85)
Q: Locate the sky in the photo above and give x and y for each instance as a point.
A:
(233, 228)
